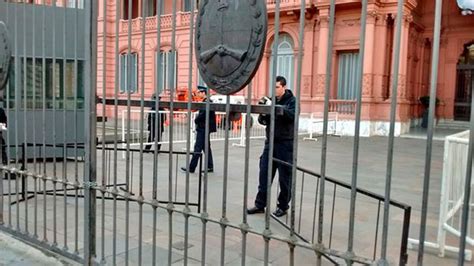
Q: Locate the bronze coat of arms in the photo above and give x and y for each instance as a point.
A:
(230, 39)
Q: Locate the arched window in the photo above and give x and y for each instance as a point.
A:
(285, 59)
(128, 72)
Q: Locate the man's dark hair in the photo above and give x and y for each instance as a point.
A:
(282, 80)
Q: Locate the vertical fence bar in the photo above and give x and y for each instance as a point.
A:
(391, 134)
(355, 159)
(206, 152)
(405, 232)
(271, 88)
(65, 147)
(248, 122)
(429, 140)
(43, 48)
(224, 220)
(188, 133)
(467, 185)
(171, 82)
(24, 176)
(90, 42)
(54, 84)
(103, 144)
(327, 91)
(17, 107)
(295, 133)
(128, 88)
(35, 177)
(333, 207)
(301, 201)
(157, 123)
(118, 5)
(142, 118)
(376, 231)
(76, 154)
(8, 143)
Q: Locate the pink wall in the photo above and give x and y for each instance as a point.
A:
(414, 65)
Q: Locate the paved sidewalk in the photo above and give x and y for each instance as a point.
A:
(407, 177)
(15, 252)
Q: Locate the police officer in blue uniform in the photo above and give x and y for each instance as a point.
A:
(199, 145)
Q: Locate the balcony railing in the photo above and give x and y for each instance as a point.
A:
(182, 19)
(342, 106)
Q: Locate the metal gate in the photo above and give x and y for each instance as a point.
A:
(68, 189)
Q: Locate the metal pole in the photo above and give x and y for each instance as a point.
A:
(271, 88)
(248, 121)
(355, 158)
(90, 42)
(327, 92)
(142, 118)
(429, 140)
(43, 42)
(224, 219)
(157, 125)
(53, 93)
(393, 113)
(76, 154)
(296, 130)
(65, 147)
(171, 82)
(104, 162)
(128, 87)
(188, 133)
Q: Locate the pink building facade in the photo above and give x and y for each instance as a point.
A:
(454, 91)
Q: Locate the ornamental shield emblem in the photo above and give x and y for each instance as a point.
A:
(230, 39)
(5, 55)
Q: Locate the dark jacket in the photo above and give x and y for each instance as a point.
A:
(3, 116)
(284, 123)
(152, 119)
(200, 121)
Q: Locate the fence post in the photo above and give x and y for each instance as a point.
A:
(90, 67)
(405, 232)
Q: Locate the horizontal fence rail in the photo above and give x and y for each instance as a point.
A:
(370, 213)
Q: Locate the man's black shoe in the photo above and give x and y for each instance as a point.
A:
(184, 169)
(210, 170)
(279, 212)
(255, 210)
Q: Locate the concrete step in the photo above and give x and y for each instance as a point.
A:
(452, 124)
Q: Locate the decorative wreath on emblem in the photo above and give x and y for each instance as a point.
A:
(232, 82)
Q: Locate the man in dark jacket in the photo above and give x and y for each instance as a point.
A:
(282, 150)
(151, 125)
(199, 145)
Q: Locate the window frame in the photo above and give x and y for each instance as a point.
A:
(124, 86)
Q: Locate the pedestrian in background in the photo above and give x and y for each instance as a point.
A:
(153, 134)
(199, 145)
